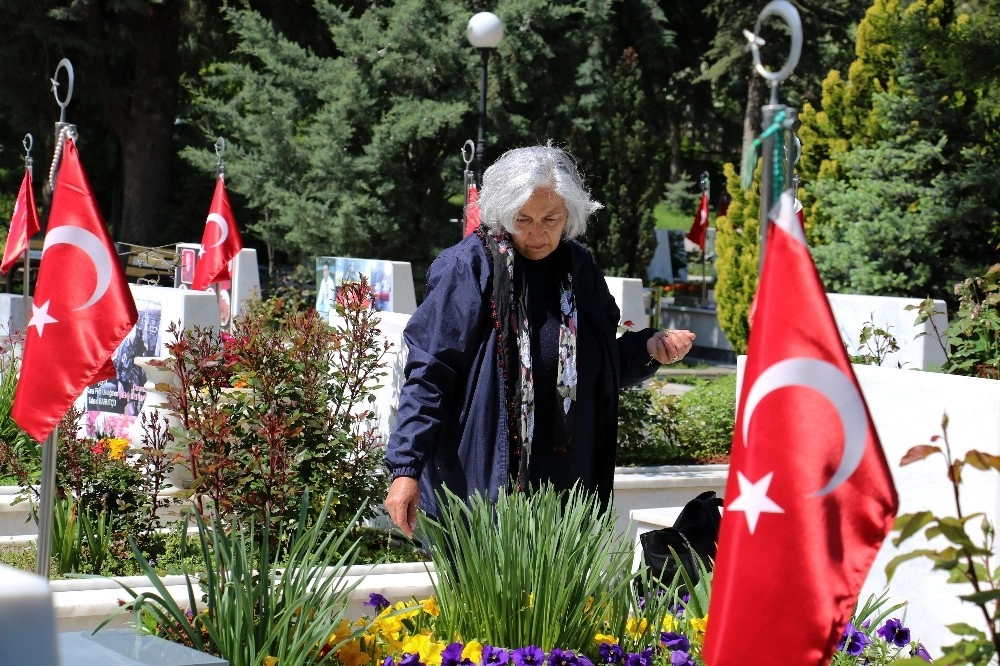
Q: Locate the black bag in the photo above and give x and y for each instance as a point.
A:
(696, 530)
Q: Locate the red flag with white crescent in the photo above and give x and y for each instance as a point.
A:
(82, 306)
(472, 211)
(810, 498)
(699, 228)
(23, 225)
(220, 242)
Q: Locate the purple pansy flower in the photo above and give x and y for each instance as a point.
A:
(675, 641)
(563, 658)
(609, 653)
(389, 661)
(583, 660)
(894, 632)
(644, 658)
(529, 656)
(410, 660)
(377, 601)
(921, 651)
(681, 658)
(853, 641)
(452, 655)
(494, 656)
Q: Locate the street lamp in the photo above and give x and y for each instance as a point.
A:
(484, 32)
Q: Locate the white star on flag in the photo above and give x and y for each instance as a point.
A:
(40, 317)
(753, 499)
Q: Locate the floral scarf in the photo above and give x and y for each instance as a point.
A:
(513, 329)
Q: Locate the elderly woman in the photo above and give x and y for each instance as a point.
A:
(514, 362)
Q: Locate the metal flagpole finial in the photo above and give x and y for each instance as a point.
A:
(63, 103)
(64, 129)
(28, 142)
(220, 150)
(786, 11)
(468, 153)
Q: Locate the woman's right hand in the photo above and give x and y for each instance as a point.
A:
(401, 503)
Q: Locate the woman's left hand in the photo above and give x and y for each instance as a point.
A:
(670, 346)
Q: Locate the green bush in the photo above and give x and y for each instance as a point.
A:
(706, 417)
(655, 428)
(646, 426)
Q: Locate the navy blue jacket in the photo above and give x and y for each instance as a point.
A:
(451, 426)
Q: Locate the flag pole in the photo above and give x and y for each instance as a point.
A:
(706, 191)
(46, 503)
(47, 483)
(27, 142)
(777, 119)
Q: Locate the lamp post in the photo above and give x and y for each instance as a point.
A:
(484, 32)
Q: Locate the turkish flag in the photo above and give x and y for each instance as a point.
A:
(809, 498)
(82, 306)
(23, 225)
(220, 241)
(699, 228)
(802, 225)
(472, 211)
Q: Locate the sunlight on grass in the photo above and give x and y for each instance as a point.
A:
(669, 218)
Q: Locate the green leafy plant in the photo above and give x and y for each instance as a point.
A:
(540, 568)
(646, 426)
(251, 605)
(966, 558)
(299, 416)
(81, 541)
(875, 343)
(20, 456)
(973, 336)
(705, 419)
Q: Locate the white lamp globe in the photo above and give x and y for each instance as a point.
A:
(485, 30)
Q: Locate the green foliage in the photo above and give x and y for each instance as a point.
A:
(625, 239)
(554, 588)
(81, 541)
(655, 428)
(255, 604)
(20, 456)
(893, 161)
(706, 417)
(967, 556)
(737, 263)
(875, 343)
(646, 426)
(280, 405)
(973, 334)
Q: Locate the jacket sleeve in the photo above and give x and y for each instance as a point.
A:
(442, 338)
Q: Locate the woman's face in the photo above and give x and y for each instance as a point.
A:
(538, 226)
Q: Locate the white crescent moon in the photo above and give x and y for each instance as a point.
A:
(836, 387)
(90, 245)
(223, 227)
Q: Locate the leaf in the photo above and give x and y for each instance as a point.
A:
(890, 568)
(917, 453)
(909, 524)
(955, 472)
(982, 460)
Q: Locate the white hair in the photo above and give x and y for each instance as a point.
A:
(510, 181)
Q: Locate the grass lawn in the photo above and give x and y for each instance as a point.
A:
(669, 218)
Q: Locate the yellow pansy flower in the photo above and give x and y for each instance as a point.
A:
(430, 606)
(350, 654)
(342, 631)
(605, 638)
(698, 624)
(669, 623)
(270, 661)
(428, 650)
(636, 628)
(473, 651)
